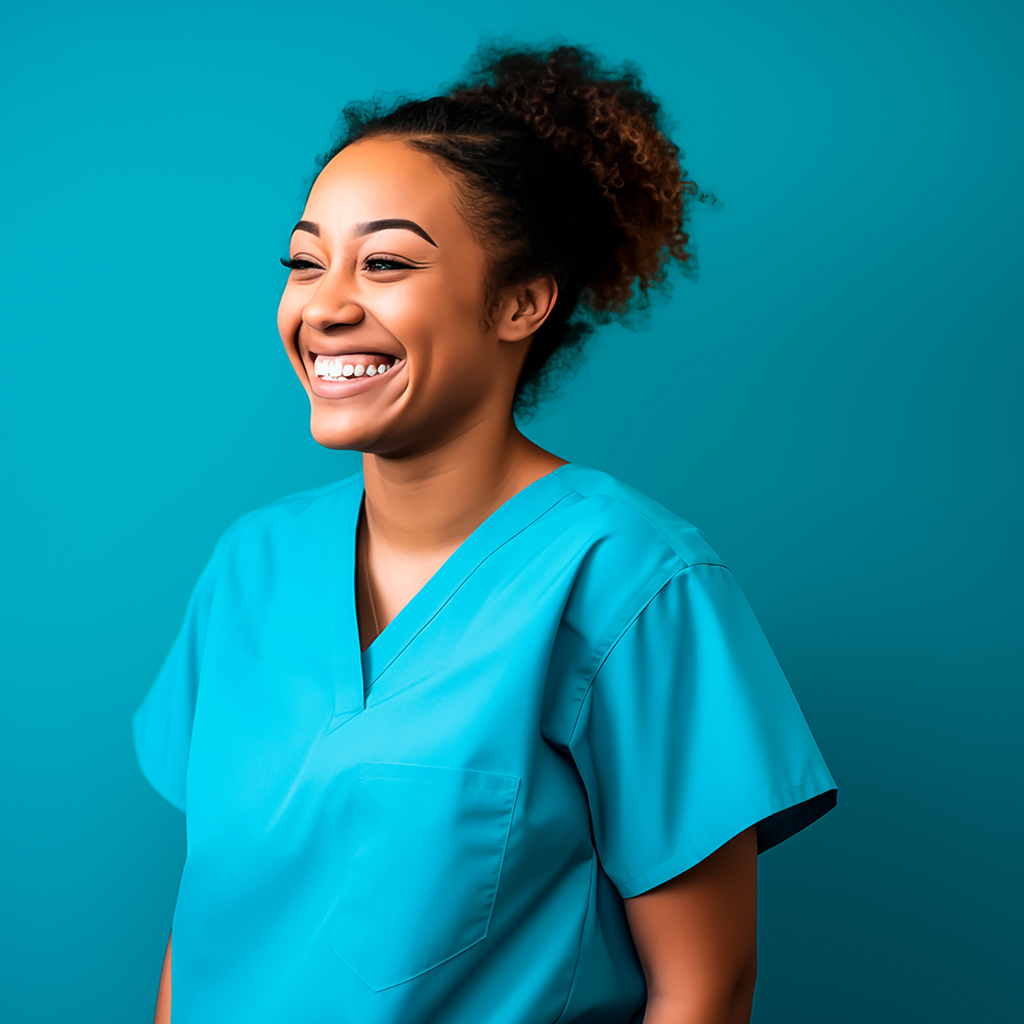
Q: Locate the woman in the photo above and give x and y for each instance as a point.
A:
(536, 790)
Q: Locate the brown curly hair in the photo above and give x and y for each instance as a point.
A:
(563, 166)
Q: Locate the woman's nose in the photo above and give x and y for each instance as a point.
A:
(331, 307)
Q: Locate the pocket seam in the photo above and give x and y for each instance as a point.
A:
(375, 771)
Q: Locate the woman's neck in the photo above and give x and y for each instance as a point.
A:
(430, 502)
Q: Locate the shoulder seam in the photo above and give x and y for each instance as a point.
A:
(637, 512)
(625, 629)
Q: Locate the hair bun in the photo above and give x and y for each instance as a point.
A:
(605, 122)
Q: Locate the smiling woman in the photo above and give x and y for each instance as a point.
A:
(405, 292)
(477, 735)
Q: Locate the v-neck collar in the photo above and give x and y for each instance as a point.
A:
(356, 671)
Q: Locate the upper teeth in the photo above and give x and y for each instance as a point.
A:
(335, 369)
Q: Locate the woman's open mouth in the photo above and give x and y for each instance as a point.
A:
(364, 364)
(350, 373)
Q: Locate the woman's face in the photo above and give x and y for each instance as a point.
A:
(388, 275)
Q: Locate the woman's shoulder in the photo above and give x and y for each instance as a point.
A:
(293, 517)
(608, 521)
(612, 508)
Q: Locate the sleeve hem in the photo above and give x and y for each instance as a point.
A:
(777, 818)
(175, 799)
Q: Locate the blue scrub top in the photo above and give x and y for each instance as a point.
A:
(578, 706)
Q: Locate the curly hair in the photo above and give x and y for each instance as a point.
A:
(562, 166)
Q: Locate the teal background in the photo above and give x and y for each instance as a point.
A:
(835, 402)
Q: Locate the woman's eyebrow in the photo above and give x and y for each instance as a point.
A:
(370, 226)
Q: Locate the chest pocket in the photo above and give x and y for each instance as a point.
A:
(422, 877)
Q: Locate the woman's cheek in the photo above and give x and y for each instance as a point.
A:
(287, 321)
(289, 316)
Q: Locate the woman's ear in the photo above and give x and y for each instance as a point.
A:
(525, 307)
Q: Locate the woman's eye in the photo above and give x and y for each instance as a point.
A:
(299, 264)
(378, 263)
(385, 263)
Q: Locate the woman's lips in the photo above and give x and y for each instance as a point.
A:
(351, 364)
(344, 386)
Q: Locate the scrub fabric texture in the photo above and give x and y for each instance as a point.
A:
(577, 707)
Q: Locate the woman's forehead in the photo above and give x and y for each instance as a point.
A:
(377, 179)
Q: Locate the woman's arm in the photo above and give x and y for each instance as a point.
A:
(163, 996)
(696, 936)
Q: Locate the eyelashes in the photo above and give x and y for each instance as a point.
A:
(372, 263)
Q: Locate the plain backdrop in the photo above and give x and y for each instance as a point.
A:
(835, 402)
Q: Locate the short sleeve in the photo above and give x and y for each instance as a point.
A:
(162, 726)
(690, 733)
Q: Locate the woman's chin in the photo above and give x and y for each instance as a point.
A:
(339, 432)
